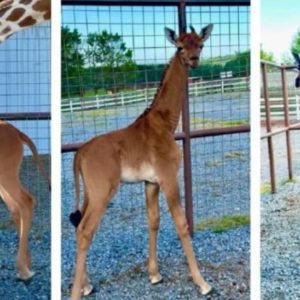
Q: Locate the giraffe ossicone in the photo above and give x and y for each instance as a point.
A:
(16, 15)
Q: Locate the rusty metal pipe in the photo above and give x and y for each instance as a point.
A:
(287, 121)
(25, 116)
(269, 128)
(187, 165)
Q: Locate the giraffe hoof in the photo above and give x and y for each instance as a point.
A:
(88, 290)
(26, 279)
(211, 291)
(156, 279)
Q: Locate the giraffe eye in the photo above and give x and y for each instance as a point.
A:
(201, 47)
(179, 49)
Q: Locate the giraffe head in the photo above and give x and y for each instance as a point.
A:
(189, 45)
(16, 15)
(297, 58)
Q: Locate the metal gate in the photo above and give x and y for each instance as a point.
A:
(281, 88)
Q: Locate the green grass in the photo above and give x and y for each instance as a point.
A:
(234, 154)
(205, 123)
(97, 113)
(86, 123)
(216, 195)
(285, 181)
(236, 123)
(265, 188)
(224, 223)
(213, 163)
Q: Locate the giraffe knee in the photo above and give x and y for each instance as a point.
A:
(84, 238)
(31, 202)
(182, 227)
(154, 221)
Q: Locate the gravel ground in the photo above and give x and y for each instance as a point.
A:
(39, 240)
(118, 255)
(280, 223)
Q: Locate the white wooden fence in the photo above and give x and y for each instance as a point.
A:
(199, 88)
(276, 107)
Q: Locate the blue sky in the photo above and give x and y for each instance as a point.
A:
(279, 21)
(142, 28)
(25, 80)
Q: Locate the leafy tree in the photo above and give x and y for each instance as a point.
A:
(72, 61)
(296, 42)
(108, 51)
(287, 57)
(267, 56)
(239, 65)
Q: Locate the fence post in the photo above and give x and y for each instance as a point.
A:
(222, 86)
(186, 140)
(146, 96)
(122, 98)
(269, 128)
(97, 101)
(71, 106)
(287, 120)
(197, 82)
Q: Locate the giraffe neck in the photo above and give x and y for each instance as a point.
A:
(169, 98)
(16, 15)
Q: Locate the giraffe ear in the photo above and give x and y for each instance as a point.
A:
(171, 35)
(205, 32)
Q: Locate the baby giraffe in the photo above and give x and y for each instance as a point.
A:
(145, 151)
(16, 197)
(297, 58)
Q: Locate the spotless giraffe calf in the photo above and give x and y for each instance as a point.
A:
(144, 151)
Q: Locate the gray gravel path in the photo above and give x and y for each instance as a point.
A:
(39, 240)
(280, 223)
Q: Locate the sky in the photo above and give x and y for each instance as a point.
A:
(142, 28)
(279, 21)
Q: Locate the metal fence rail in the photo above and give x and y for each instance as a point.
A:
(287, 124)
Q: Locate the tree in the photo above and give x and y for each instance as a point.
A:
(72, 61)
(287, 57)
(295, 47)
(267, 56)
(240, 64)
(106, 52)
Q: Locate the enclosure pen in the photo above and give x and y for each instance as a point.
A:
(25, 103)
(280, 175)
(279, 89)
(102, 93)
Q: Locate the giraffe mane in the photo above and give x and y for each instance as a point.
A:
(149, 108)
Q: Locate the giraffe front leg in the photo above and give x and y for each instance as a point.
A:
(170, 187)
